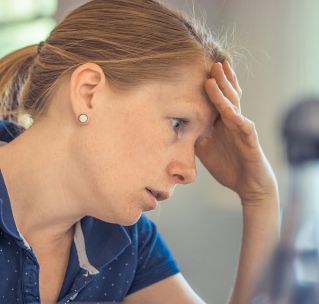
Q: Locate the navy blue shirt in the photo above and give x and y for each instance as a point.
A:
(107, 261)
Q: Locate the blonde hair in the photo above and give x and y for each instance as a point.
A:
(133, 41)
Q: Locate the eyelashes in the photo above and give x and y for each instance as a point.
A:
(181, 122)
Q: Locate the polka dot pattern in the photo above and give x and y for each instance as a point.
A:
(127, 258)
(136, 267)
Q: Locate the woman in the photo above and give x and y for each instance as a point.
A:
(123, 95)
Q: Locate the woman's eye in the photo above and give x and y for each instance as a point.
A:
(178, 123)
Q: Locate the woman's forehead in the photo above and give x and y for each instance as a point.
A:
(201, 108)
(192, 101)
(191, 90)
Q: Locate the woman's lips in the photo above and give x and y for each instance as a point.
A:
(159, 195)
(152, 200)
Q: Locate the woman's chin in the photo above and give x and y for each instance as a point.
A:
(122, 219)
(131, 220)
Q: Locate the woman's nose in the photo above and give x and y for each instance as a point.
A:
(183, 170)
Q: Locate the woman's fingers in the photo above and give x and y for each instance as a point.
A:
(224, 81)
(224, 92)
(231, 76)
(229, 113)
(225, 108)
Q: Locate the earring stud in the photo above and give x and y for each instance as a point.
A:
(83, 118)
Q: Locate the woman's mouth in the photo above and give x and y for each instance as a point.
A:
(155, 194)
(159, 195)
(153, 200)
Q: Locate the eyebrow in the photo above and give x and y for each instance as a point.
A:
(196, 111)
(198, 117)
(205, 97)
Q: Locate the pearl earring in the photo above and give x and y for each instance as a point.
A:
(83, 118)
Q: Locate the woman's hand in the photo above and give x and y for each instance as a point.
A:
(231, 152)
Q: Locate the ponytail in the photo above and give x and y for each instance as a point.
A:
(14, 73)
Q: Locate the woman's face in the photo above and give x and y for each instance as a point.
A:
(138, 140)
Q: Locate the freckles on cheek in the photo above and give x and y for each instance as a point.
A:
(140, 141)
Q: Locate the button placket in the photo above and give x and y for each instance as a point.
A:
(30, 280)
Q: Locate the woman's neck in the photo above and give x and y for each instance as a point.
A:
(43, 209)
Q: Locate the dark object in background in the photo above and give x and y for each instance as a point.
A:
(301, 131)
(292, 274)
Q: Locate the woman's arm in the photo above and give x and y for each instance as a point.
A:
(174, 289)
(260, 234)
(233, 156)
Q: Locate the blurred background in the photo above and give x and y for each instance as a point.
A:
(278, 43)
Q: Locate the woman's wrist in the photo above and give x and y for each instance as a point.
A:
(261, 198)
(260, 235)
(262, 217)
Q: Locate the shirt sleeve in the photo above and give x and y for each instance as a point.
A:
(155, 261)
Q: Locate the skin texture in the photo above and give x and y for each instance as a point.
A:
(131, 142)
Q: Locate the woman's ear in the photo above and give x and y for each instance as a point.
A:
(86, 82)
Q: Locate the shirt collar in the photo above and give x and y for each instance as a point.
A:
(97, 242)
(6, 217)
(9, 130)
(101, 243)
